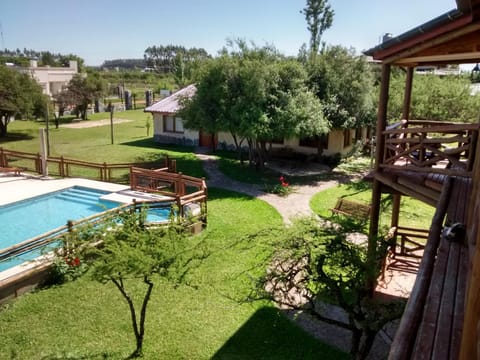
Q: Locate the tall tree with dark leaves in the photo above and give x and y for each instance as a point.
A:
(20, 96)
(319, 17)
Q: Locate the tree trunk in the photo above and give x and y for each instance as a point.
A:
(3, 126)
(138, 328)
(356, 338)
(214, 145)
(367, 343)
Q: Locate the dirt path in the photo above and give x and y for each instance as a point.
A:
(92, 123)
(295, 204)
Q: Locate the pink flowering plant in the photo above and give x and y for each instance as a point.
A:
(282, 188)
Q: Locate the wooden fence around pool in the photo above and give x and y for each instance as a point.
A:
(64, 167)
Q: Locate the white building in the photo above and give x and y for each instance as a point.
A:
(52, 79)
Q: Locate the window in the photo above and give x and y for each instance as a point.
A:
(313, 141)
(172, 124)
(347, 138)
(358, 134)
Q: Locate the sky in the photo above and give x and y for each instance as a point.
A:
(98, 30)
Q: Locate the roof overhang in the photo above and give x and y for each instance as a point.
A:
(452, 38)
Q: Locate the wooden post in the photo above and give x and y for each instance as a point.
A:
(407, 99)
(470, 334)
(61, 167)
(376, 191)
(404, 340)
(397, 197)
(103, 172)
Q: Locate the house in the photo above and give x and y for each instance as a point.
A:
(439, 164)
(52, 79)
(169, 129)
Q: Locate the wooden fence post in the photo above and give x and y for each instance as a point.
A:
(61, 166)
(2, 158)
(38, 164)
(103, 172)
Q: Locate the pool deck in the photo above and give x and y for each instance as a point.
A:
(16, 188)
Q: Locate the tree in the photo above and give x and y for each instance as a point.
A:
(83, 90)
(257, 96)
(130, 254)
(344, 83)
(437, 98)
(319, 17)
(20, 95)
(314, 263)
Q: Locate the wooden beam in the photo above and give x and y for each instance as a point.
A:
(405, 190)
(407, 99)
(416, 46)
(407, 331)
(377, 187)
(443, 58)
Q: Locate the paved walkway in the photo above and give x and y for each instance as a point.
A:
(397, 282)
(294, 204)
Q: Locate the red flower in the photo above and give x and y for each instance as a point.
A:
(72, 262)
(284, 184)
(281, 179)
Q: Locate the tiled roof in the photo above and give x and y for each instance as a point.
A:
(172, 103)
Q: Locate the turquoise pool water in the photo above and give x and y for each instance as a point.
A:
(29, 218)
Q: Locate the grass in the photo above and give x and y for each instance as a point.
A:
(413, 213)
(131, 143)
(88, 320)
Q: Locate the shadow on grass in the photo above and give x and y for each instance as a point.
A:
(152, 144)
(15, 136)
(268, 334)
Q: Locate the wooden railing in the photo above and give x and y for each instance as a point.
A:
(184, 189)
(409, 241)
(430, 146)
(63, 167)
(54, 235)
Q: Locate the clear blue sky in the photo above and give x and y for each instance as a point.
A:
(99, 30)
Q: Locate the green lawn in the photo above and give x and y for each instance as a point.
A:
(202, 320)
(413, 213)
(131, 143)
(87, 320)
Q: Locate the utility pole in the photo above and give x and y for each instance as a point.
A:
(111, 120)
(47, 127)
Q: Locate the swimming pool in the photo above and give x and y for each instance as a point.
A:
(26, 219)
(29, 218)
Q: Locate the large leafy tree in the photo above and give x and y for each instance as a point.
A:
(81, 91)
(435, 98)
(319, 17)
(257, 96)
(20, 96)
(344, 83)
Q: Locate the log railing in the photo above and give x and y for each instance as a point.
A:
(64, 167)
(183, 188)
(430, 146)
(409, 241)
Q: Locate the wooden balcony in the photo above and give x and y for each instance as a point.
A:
(418, 155)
